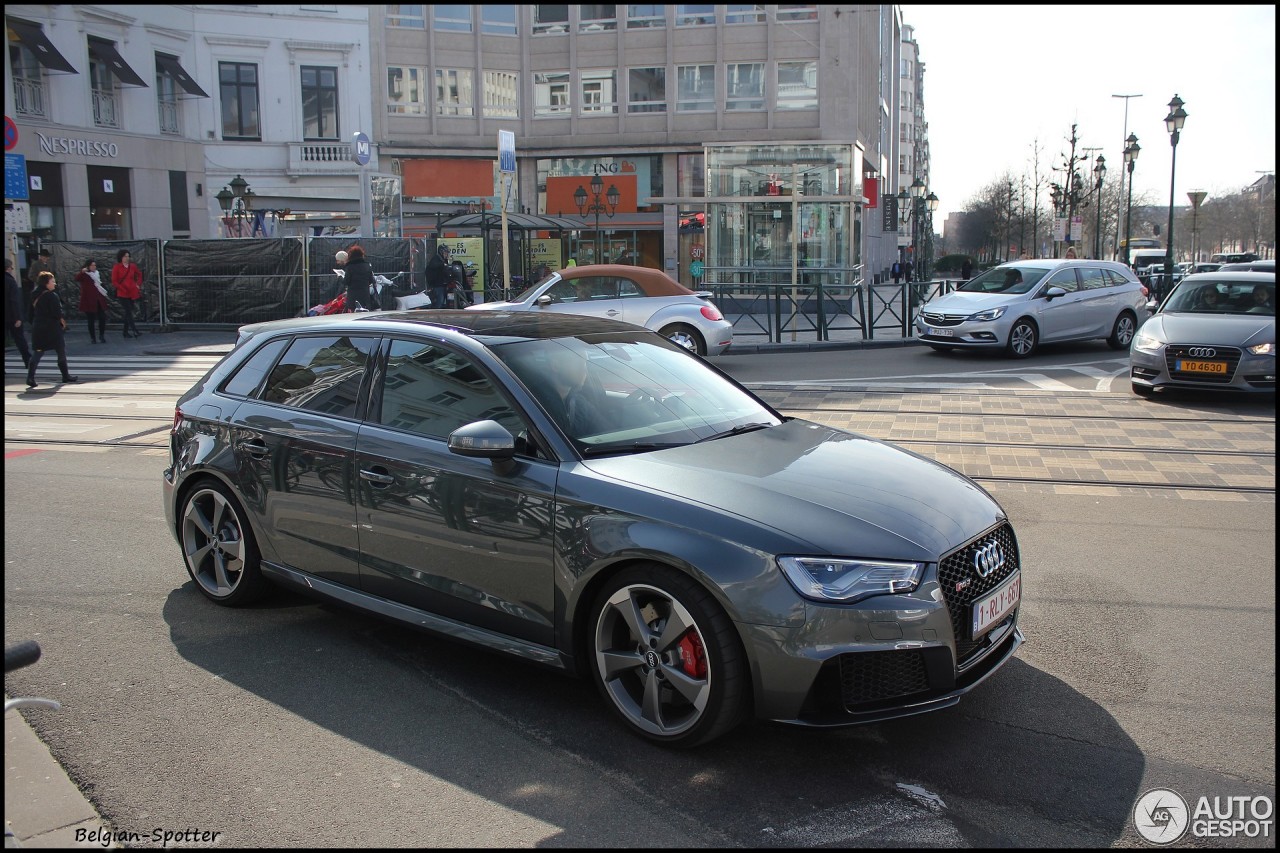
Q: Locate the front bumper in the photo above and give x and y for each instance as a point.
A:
(969, 333)
(1247, 372)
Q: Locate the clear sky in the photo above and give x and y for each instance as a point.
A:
(999, 77)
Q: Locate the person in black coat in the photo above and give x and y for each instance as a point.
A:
(437, 275)
(359, 281)
(14, 312)
(50, 324)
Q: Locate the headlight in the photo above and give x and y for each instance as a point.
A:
(1262, 349)
(849, 580)
(989, 314)
(1146, 343)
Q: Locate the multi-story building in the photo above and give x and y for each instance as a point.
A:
(915, 223)
(730, 135)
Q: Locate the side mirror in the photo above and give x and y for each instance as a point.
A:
(485, 440)
(1152, 305)
(544, 299)
(1054, 292)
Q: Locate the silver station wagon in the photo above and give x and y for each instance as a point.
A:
(587, 495)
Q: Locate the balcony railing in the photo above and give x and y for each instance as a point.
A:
(28, 97)
(169, 117)
(105, 109)
(321, 158)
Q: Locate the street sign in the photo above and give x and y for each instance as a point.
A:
(10, 134)
(361, 149)
(15, 177)
(17, 217)
(506, 151)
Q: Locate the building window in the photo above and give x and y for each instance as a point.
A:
(904, 164)
(798, 12)
(594, 18)
(498, 20)
(738, 13)
(455, 19)
(647, 90)
(319, 102)
(501, 94)
(906, 132)
(551, 94)
(238, 82)
(696, 88)
(797, 85)
(744, 86)
(406, 16)
(167, 103)
(599, 91)
(639, 17)
(28, 81)
(906, 101)
(102, 83)
(454, 95)
(550, 20)
(906, 69)
(406, 90)
(702, 15)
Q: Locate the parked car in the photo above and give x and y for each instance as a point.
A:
(639, 295)
(584, 494)
(1019, 305)
(1215, 330)
(1268, 266)
(1203, 266)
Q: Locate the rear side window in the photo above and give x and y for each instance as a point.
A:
(1115, 278)
(321, 374)
(249, 375)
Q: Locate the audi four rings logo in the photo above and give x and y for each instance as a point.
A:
(987, 559)
(1202, 352)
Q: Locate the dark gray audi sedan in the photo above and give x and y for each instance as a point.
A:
(586, 495)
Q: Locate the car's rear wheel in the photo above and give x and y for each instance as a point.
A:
(218, 546)
(685, 336)
(1023, 338)
(1122, 332)
(667, 658)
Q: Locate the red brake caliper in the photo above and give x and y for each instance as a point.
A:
(692, 656)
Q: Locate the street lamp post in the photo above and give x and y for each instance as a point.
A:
(1130, 158)
(597, 207)
(1173, 122)
(931, 201)
(904, 214)
(236, 201)
(1197, 198)
(917, 205)
(1120, 195)
(1099, 169)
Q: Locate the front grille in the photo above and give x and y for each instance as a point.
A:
(1231, 355)
(943, 319)
(867, 677)
(957, 570)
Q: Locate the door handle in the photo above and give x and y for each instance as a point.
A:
(255, 448)
(613, 312)
(377, 477)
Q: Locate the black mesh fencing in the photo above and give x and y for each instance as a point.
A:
(232, 281)
(68, 258)
(400, 259)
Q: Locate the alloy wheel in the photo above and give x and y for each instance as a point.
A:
(213, 542)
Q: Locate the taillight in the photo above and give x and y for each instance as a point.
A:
(711, 314)
(177, 419)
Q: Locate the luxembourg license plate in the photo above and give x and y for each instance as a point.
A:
(941, 333)
(1187, 366)
(999, 604)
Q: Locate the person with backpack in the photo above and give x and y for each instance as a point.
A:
(896, 271)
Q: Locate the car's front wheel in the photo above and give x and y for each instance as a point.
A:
(1122, 332)
(667, 658)
(218, 546)
(1023, 338)
(685, 336)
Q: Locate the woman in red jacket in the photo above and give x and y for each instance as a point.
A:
(93, 301)
(127, 280)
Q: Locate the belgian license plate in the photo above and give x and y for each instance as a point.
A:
(1187, 366)
(992, 609)
(941, 333)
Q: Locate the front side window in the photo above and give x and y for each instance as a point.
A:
(647, 90)
(238, 82)
(797, 85)
(454, 95)
(406, 90)
(432, 391)
(696, 88)
(744, 86)
(321, 374)
(1093, 278)
(405, 16)
(550, 20)
(1066, 279)
(551, 94)
(452, 18)
(501, 94)
(498, 20)
(599, 91)
(319, 102)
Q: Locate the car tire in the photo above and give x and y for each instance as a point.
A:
(1123, 331)
(1143, 390)
(219, 548)
(685, 336)
(677, 683)
(1023, 338)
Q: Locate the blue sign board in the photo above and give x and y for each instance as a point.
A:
(506, 151)
(15, 177)
(361, 149)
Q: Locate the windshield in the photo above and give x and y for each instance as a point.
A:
(1005, 279)
(1209, 296)
(625, 393)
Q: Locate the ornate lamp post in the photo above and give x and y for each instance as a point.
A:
(1099, 169)
(1173, 122)
(597, 207)
(1056, 198)
(236, 201)
(904, 213)
(1197, 198)
(917, 204)
(1130, 158)
(931, 202)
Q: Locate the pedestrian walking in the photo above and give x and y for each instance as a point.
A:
(896, 271)
(906, 271)
(49, 330)
(44, 263)
(359, 281)
(93, 301)
(14, 310)
(966, 270)
(126, 278)
(437, 274)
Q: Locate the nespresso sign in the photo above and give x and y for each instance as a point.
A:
(85, 147)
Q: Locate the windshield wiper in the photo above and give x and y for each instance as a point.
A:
(738, 430)
(635, 447)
